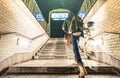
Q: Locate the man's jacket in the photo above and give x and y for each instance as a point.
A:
(73, 24)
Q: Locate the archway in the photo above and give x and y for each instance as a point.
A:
(56, 18)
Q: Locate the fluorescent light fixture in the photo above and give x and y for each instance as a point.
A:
(22, 42)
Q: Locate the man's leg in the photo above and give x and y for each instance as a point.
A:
(75, 48)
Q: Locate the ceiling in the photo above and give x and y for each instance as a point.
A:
(47, 5)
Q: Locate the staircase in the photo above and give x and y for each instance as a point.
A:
(51, 60)
(54, 50)
(54, 60)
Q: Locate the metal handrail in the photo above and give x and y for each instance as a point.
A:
(38, 36)
(7, 33)
(112, 33)
(107, 33)
(16, 33)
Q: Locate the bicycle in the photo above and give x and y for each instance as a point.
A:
(84, 43)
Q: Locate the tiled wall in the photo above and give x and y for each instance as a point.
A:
(15, 17)
(106, 19)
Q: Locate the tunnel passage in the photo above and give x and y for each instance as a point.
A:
(56, 29)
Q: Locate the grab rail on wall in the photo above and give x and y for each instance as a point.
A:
(16, 33)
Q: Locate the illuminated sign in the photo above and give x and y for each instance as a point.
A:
(59, 16)
(38, 16)
(82, 14)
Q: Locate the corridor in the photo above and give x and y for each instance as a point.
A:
(33, 44)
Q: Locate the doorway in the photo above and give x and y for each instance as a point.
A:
(56, 29)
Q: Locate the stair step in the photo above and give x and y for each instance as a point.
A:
(60, 53)
(60, 70)
(51, 57)
(46, 48)
(44, 70)
(42, 57)
(101, 70)
(62, 50)
(60, 56)
(40, 76)
(71, 57)
(44, 53)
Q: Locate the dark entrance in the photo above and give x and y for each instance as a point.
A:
(56, 29)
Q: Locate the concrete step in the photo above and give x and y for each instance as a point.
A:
(102, 70)
(50, 56)
(46, 48)
(102, 76)
(44, 53)
(44, 70)
(60, 56)
(40, 76)
(70, 57)
(36, 57)
(60, 49)
(60, 53)
(56, 55)
(61, 70)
